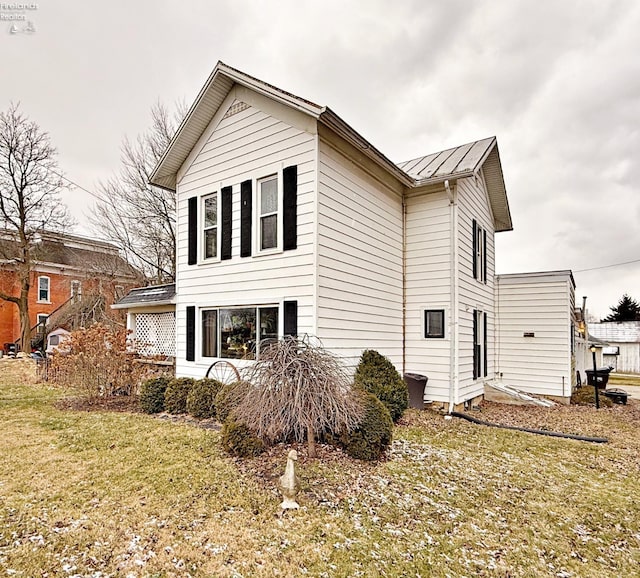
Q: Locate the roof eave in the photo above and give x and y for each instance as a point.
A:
(167, 180)
(332, 121)
(143, 304)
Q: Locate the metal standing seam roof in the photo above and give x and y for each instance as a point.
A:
(616, 332)
(145, 296)
(457, 162)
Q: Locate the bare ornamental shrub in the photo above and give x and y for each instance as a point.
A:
(97, 362)
(297, 390)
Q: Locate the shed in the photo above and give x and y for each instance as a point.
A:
(151, 318)
(623, 340)
(536, 334)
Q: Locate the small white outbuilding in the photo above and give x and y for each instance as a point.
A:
(623, 339)
(536, 333)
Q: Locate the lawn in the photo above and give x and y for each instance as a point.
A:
(117, 493)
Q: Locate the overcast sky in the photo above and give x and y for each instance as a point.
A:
(557, 81)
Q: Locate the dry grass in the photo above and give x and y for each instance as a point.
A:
(104, 493)
(620, 380)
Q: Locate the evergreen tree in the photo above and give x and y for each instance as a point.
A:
(628, 309)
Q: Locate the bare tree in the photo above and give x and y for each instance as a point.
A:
(29, 201)
(141, 217)
(298, 389)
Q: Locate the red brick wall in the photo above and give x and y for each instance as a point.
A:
(59, 292)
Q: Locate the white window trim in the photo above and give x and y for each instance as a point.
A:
(201, 227)
(39, 317)
(48, 299)
(200, 336)
(257, 251)
(79, 292)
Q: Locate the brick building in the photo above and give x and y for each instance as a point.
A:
(74, 281)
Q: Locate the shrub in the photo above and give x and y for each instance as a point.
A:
(238, 440)
(152, 394)
(98, 362)
(298, 390)
(372, 436)
(175, 396)
(228, 398)
(377, 375)
(201, 399)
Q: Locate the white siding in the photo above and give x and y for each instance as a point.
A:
(473, 294)
(359, 261)
(249, 144)
(628, 360)
(541, 305)
(428, 282)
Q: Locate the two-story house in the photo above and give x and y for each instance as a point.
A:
(290, 222)
(72, 278)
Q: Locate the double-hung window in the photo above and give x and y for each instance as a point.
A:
(76, 288)
(269, 205)
(44, 284)
(42, 322)
(210, 226)
(480, 356)
(479, 242)
(238, 332)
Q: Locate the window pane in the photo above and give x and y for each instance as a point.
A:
(211, 211)
(269, 196)
(268, 323)
(211, 243)
(269, 232)
(238, 333)
(43, 288)
(434, 323)
(209, 333)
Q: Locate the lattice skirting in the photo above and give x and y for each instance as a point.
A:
(155, 333)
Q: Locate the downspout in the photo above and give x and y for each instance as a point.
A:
(404, 284)
(453, 305)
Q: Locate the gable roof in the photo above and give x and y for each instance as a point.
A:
(458, 162)
(616, 332)
(70, 251)
(146, 296)
(465, 161)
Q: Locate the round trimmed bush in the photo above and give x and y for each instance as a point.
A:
(201, 399)
(228, 398)
(373, 436)
(377, 375)
(175, 397)
(238, 440)
(152, 394)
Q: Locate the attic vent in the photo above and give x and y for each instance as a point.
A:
(235, 108)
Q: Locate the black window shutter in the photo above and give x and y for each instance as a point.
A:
(476, 362)
(225, 249)
(245, 219)
(192, 235)
(191, 333)
(484, 347)
(474, 236)
(291, 318)
(290, 207)
(484, 255)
